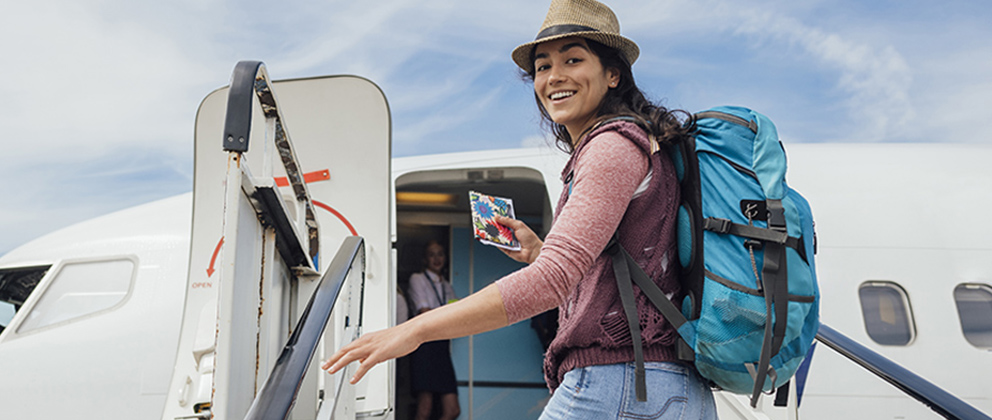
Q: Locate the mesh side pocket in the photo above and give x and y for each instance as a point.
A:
(730, 316)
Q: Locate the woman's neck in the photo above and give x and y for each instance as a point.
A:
(577, 135)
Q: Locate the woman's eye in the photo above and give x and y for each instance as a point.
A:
(543, 67)
(573, 60)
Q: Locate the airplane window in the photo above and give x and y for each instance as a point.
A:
(6, 314)
(887, 313)
(16, 284)
(974, 303)
(80, 289)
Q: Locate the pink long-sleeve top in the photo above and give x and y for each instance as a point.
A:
(612, 180)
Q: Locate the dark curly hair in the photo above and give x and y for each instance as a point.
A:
(668, 126)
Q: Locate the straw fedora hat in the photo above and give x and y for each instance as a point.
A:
(588, 19)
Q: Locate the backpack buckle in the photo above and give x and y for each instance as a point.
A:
(717, 225)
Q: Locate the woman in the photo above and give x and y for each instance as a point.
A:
(613, 182)
(432, 371)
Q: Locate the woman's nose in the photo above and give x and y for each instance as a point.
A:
(555, 76)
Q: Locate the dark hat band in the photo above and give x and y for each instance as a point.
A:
(562, 30)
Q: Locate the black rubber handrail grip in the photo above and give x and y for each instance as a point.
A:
(939, 400)
(251, 80)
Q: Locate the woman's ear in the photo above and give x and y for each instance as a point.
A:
(613, 75)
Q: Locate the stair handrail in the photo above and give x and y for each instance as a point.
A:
(924, 391)
(278, 394)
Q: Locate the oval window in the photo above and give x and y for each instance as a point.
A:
(974, 302)
(79, 289)
(887, 313)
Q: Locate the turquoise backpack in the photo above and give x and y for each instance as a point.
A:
(746, 245)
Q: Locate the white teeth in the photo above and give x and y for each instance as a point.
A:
(559, 95)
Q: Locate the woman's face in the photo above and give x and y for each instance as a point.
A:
(571, 82)
(435, 257)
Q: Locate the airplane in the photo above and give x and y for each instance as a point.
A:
(217, 303)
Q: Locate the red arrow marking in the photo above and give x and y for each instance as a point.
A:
(339, 216)
(213, 259)
(322, 175)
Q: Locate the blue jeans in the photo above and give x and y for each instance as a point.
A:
(675, 391)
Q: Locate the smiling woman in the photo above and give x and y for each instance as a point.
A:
(616, 185)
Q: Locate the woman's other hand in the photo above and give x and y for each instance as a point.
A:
(479, 312)
(530, 244)
(372, 349)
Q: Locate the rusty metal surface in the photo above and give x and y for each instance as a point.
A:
(276, 397)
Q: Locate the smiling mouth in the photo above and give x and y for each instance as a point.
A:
(561, 95)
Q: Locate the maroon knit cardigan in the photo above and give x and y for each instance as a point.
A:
(592, 327)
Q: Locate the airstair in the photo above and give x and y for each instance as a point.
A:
(290, 236)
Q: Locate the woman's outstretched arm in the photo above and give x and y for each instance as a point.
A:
(477, 313)
(603, 187)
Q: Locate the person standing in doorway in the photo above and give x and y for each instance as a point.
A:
(431, 370)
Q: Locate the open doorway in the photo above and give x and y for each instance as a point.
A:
(499, 373)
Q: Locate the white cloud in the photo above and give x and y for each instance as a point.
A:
(49, 194)
(83, 86)
(448, 115)
(876, 80)
(955, 95)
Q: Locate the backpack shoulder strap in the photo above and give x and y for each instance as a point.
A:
(628, 272)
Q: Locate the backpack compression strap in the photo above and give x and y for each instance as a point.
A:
(767, 235)
(774, 276)
(627, 272)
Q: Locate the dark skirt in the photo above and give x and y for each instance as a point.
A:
(431, 369)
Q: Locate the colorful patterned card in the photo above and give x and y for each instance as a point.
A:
(487, 231)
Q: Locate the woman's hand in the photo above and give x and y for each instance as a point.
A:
(372, 349)
(530, 244)
(479, 312)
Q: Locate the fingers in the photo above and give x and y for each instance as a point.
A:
(334, 358)
(344, 357)
(519, 228)
(511, 223)
(529, 241)
(340, 359)
(514, 255)
(363, 368)
(370, 350)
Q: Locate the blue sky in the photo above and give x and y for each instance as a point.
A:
(99, 96)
